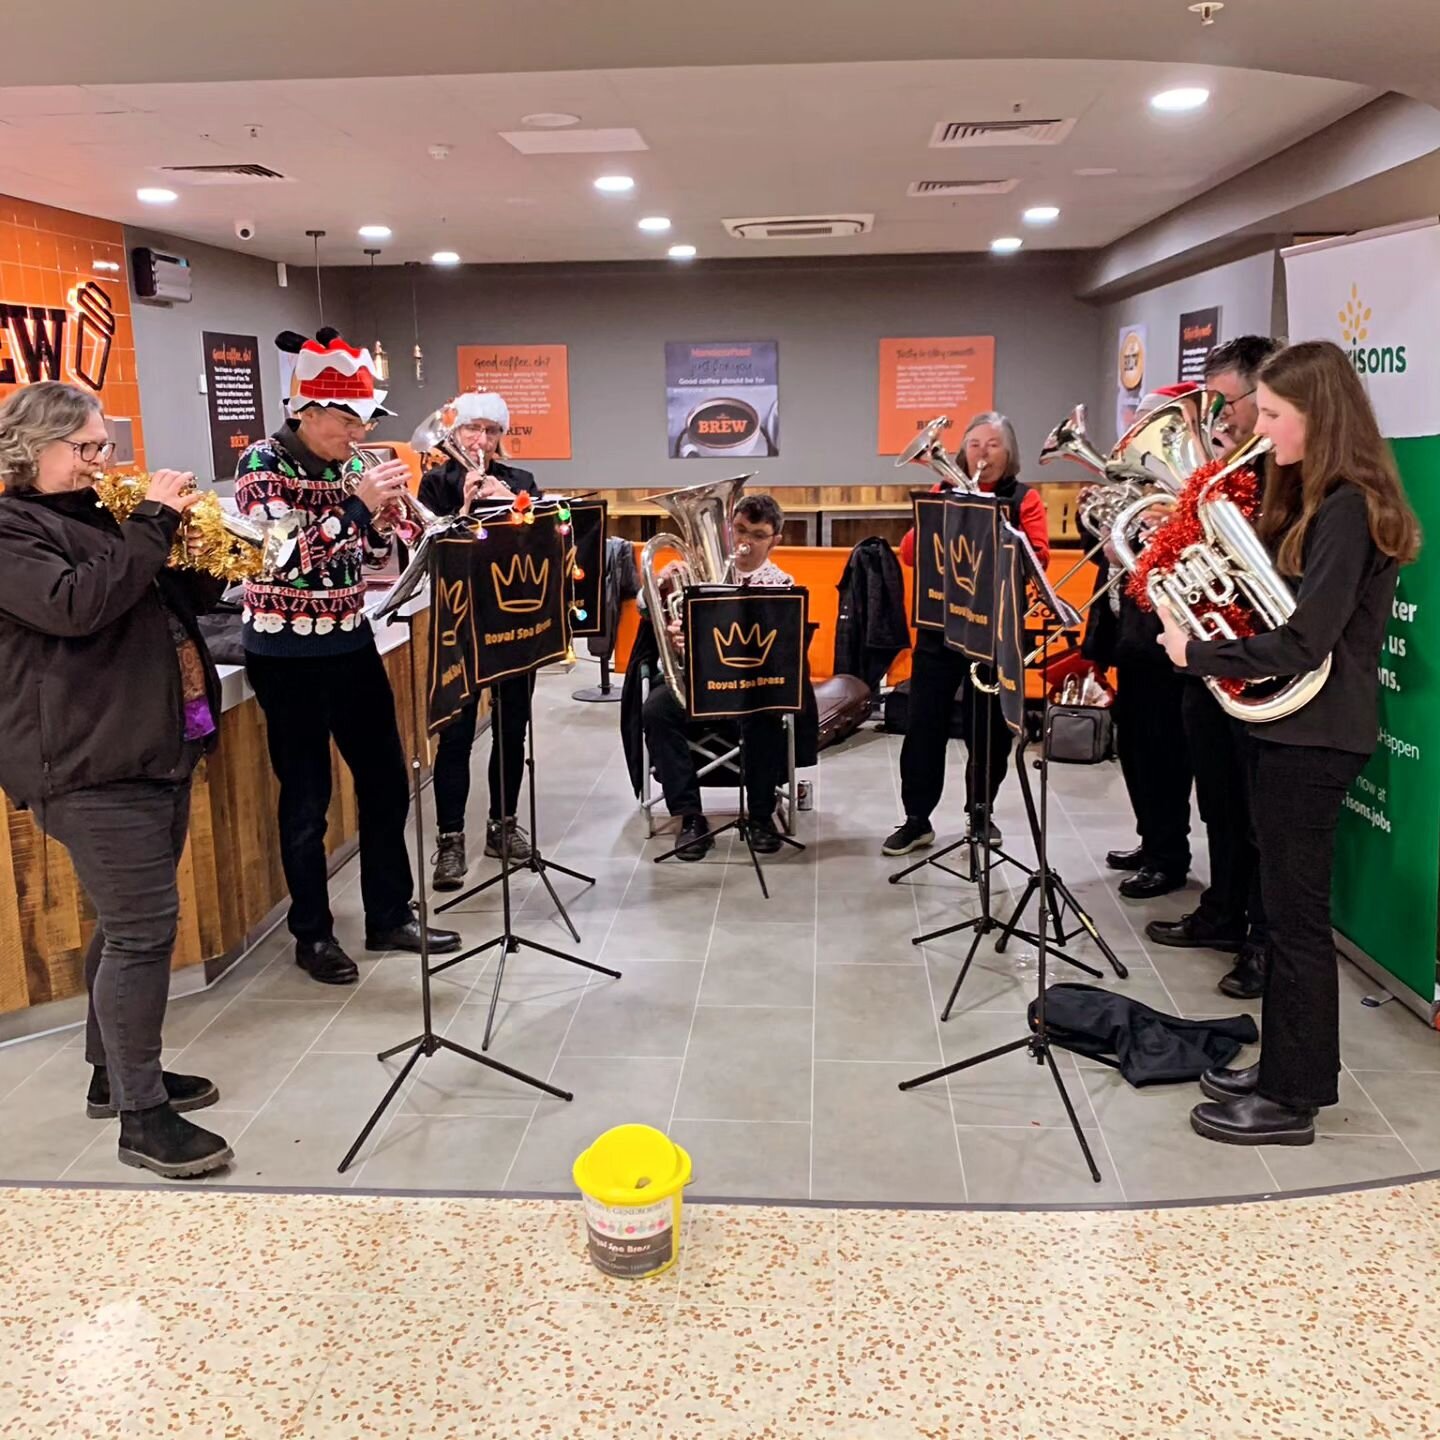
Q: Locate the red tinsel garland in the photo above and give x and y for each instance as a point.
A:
(1182, 529)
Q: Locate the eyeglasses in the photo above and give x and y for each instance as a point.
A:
(91, 451)
(1232, 403)
(759, 535)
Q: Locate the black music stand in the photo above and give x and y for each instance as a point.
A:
(427, 1042)
(508, 941)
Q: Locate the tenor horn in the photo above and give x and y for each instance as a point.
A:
(406, 512)
(1168, 444)
(926, 449)
(1069, 441)
(705, 515)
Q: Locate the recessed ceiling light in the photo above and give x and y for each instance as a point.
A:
(374, 232)
(615, 184)
(444, 257)
(549, 120)
(681, 252)
(1006, 244)
(656, 223)
(1092, 170)
(1041, 214)
(1187, 97)
(154, 195)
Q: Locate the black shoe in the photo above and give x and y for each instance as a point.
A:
(449, 862)
(1193, 932)
(503, 834)
(764, 837)
(696, 841)
(1253, 1120)
(1126, 859)
(1148, 883)
(1247, 980)
(407, 937)
(914, 834)
(185, 1092)
(1227, 1085)
(987, 835)
(325, 961)
(160, 1140)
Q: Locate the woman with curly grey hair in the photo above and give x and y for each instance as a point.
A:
(110, 701)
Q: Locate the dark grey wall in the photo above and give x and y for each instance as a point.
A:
(232, 292)
(827, 318)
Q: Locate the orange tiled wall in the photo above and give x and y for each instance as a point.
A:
(44, 255)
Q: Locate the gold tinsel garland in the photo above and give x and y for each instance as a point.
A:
(220, 553)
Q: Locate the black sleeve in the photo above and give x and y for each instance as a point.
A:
(1338, 555)
(435, 495)
(202, 592)
(42, 588)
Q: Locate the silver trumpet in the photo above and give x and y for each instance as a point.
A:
(926, 449)
(1229, 566)
(705, 515)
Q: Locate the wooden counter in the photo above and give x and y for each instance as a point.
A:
(231, 883)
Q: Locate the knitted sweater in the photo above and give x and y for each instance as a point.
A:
(315, 604)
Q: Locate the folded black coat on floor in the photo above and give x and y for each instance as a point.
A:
(1146, 1046)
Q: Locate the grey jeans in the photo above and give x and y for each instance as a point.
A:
(125, 841)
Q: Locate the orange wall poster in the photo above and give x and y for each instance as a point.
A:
(920, 379)
(65, 312)
(535, 383)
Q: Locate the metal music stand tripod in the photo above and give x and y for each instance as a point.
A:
(427, 1042)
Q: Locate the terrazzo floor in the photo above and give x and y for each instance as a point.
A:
(261, 1316)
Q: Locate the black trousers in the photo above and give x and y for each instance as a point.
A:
(308, 701)
(1155, 760)
(1298, 791)
(457, 740)
(667, 728)
(1219, 756)
(937, 676)
(125, 841)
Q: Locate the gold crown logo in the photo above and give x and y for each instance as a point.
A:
(964, 563)
(743, 650)
(521, 589)
(455, 607)
(1355, 318)
(939, 554)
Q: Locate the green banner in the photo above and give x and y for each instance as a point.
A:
(1387, 854)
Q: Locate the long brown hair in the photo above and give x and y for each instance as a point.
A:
(1342, 444)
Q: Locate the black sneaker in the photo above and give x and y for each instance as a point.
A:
(449, 862)
(1193, 932)
(186, 1092)
(326, 961)
(498, 832)
(914, 834)
(764, 837)
(987, 834)
(160, 1140)
(696, 841)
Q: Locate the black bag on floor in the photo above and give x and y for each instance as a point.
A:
(897, 713)
(1146, 1046)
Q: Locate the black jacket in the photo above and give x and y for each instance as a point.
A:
(91, 691)
(871, 630)
(442, 489)
(1341, 609)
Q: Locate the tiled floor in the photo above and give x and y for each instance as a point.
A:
(340, 1317)
(768, 1037)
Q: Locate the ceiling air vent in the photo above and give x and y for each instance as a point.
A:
(799, 227)
(225, 174)
(924, 188)
(971, 134)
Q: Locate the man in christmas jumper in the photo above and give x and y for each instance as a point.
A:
(310, 653)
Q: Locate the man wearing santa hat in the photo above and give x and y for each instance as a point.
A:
(478, 423)
(310, 653)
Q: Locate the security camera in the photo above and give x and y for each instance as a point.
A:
(244, 229)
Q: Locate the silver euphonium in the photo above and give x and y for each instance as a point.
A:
(926, 449)
(705, 515)
(1230, 565)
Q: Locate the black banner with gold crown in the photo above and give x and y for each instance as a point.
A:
(1010, 605)
(744, 650)
(970, 551)
(927, 590)
(586, 546)
(454, 640)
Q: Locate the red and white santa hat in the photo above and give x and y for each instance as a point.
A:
(327, 371)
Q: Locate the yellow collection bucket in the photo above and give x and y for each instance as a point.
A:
(631, 1179)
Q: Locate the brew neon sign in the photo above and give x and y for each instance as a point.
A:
(33, 338)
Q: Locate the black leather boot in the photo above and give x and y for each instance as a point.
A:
(1247, 980)
(325, 961)
(696, 841)
(186, 1092)
(1223, 1085)
(160, 1140)
(1253, 1120)
(449, 862)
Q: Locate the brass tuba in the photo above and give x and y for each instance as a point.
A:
(705, 515)
(926, 449)
(1228, 566)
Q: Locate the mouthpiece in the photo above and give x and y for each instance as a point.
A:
(742, 548)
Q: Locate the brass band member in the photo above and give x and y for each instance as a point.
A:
(939, 673)
(480, 425)
(108, 703)
(310, 655)
(1335, 518)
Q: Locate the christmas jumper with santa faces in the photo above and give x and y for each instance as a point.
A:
(315, 603)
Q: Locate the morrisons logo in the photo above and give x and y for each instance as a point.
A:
(1366, 358)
